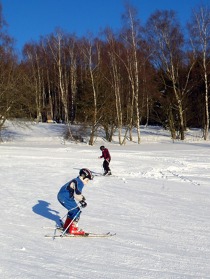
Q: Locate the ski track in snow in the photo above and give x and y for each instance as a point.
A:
(157, 201)
(177, 170)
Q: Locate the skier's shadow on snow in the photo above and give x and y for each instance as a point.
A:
(42, 208)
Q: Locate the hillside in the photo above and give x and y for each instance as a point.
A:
(157, 202)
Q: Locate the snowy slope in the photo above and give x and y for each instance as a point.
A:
(157, 202)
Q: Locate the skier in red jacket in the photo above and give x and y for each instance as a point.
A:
(107, 159)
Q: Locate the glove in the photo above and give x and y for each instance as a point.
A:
(83, 203)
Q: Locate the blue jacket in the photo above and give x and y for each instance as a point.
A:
(66, 195)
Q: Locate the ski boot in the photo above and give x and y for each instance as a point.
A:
(75, 230)
(107, 173)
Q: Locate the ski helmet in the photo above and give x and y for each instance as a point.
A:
(86, 173)
(102, 147)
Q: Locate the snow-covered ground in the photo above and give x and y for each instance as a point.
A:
(157, 202)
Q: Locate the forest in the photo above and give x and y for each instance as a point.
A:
(152, 74)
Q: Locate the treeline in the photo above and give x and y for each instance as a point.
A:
(153, 74)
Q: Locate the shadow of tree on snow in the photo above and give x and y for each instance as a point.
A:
(42, 208)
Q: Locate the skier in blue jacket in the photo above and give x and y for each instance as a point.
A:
(69, 195)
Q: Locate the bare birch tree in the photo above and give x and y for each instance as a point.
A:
(8, 73)
(167, 40)
(91, 53)
(34, 59)
(116, 78)
(200, 39)
(72, 52)
(57, 45)
(131, 38)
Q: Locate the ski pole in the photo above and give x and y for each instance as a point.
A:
(64, 232)
(61, 219)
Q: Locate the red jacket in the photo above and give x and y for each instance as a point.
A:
(106, 155)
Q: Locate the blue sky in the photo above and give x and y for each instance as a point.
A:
(29, 19)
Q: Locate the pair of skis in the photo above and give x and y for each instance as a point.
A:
(67, 235)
